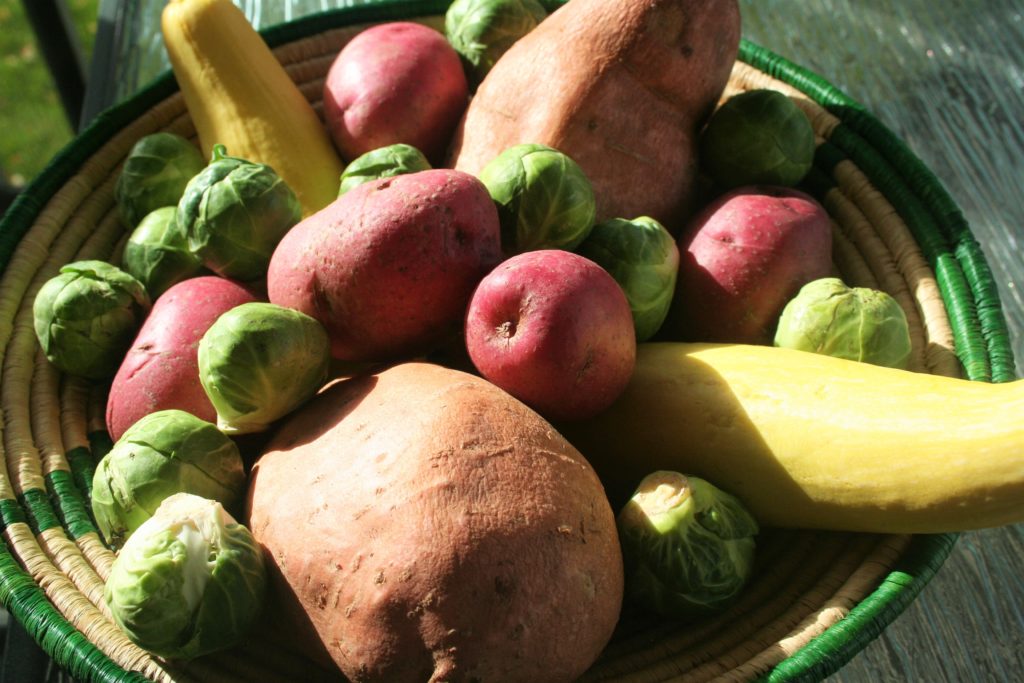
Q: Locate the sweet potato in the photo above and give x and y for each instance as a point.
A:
(389, 267)
(424, 525)
(161, 369)
(622, 87)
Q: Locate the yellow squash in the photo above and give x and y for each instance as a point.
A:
(240, 96)
(810, 441)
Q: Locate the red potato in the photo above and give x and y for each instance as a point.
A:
(161, 370)
(742, 259)
(389, 267)
(555, 330)
(420, 524)
(398, 82)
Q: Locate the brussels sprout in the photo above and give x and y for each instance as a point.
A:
(86, 317)
(156, 253)
(643, 258)
(189, 581)
(383, 162)
(155, 174)
(233, 214)
(166, 452)
(544, 199)
(856, 323)
(260, 361)
(757, 137)
(482, 30)
(687, 546)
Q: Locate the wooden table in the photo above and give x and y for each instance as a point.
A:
(948, 78)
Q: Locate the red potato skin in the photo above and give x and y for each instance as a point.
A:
(742, 259)
(621, 86)
(423, 525)
(395, 82)
(161, 369)
(555, 330)
(390, 266)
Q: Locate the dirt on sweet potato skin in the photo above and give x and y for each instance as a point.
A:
(430, 527)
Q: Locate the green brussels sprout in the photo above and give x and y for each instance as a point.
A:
(233, 214)
(544, 199)
(155, 174)
(643, 258)
(383, 162)
(482, 30)
(86, 317)
(856, 323)
(156, 253)
(757, 137)
(260, 361)
(190, 580)
(165, 452)
(687, 546)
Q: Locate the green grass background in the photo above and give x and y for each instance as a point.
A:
(33, 126)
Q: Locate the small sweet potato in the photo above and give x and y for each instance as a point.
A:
(161, 369)
(426, 526)
(622, 87)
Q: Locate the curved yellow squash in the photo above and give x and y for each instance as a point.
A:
(240, 96)
(810, 441)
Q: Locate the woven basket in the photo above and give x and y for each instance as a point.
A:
(816, 598)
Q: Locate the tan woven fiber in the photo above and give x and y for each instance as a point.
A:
(770, 607)
(858, 230)
(849, 261)
(74, 394)
(871, 570)
(805, 583)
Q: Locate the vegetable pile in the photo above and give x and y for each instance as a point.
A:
(531, 330)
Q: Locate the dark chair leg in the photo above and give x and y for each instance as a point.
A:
(60, 47)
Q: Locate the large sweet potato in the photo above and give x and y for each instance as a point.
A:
(428, 526)
(621, 86)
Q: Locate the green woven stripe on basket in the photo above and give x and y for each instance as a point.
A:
(69, 647)
(71, 506)
(867, 620)
(11, 512)
(945, 217)
(41, 515)
(83, 466)
(817, 182)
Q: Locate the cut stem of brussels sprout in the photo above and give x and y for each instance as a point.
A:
(189, 581)
(664, 500)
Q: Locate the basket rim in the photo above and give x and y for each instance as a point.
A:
(980, 331)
